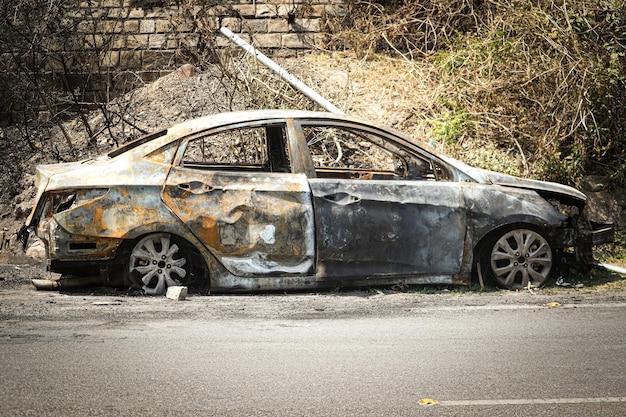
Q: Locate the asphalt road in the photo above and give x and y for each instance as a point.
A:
(348, 356)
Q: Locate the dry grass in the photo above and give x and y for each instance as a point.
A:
(540, 85)
(411, 98)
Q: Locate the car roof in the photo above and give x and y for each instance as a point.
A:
(252, 115)
(220, 119)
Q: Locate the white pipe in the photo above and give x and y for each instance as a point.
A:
(614, 268)
(291, 79)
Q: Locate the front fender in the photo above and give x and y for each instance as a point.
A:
(491, 207)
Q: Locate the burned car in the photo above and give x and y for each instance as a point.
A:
(275, 199)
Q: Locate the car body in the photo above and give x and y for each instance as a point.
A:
(288, 200)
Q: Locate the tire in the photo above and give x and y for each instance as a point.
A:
(162, 260)
(519, 258)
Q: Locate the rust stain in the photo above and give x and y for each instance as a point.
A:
(209, 232)
(98, 219)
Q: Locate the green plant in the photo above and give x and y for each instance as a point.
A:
(450, 127)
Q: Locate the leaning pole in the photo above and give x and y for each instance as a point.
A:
(284, 74)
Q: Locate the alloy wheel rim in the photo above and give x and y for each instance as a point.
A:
(153, 258)
(521, 258)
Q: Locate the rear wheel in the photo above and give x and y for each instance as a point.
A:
(519, 258)
(161, 260)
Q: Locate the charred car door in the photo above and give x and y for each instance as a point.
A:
(235, 190)
(380, 210)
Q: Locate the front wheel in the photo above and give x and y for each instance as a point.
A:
(161, 260)
(520, 258)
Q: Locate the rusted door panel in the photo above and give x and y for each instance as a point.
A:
(254, 223)
(387, 228)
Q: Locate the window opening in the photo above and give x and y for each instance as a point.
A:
(258, 148)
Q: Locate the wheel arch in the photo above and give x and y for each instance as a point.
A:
(489, 237)
(483, 234)
(201, 257)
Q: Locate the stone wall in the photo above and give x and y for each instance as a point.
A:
(97, 48)
(148, 35)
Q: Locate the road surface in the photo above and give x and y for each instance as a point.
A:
(334, 354)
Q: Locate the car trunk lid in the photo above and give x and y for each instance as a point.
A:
(43, 174)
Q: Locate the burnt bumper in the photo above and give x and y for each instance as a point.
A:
(600, 233)
(597, 234)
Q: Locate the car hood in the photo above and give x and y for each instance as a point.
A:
(490, 177)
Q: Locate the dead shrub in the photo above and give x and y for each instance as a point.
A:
(542, 83)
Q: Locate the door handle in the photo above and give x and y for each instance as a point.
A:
(342, 199)
(197, 187)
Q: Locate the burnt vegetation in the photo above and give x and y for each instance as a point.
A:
(531, 88)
